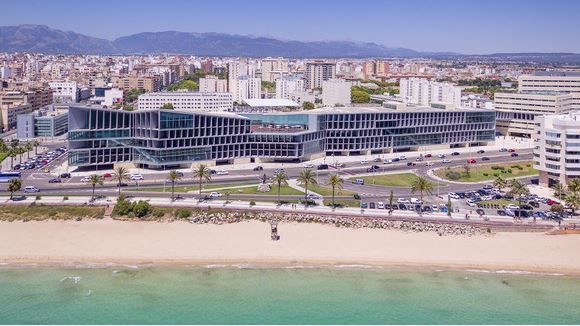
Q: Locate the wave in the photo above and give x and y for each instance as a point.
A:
(74, 279)
(513, 272)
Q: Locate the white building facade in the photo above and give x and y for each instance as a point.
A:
(420, 91)
(64, 91)
(212, 84)
(197, 101)
(336, 91)
(286, 86)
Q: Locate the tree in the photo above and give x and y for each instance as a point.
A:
(120, 174)
(173, 177)
(308, 105)
(305, 178)
(12, 153)
(391, 201)
(95, 180)
(167, 106)
(3, 146)
(183, 84)
(359, 96)
(203, 174)
(14, 185)
(35, 143)
(573, 200)
(132, 94)
(335, 182)
(280, 178)
(21, 150)
(574, 185)
(449, 207)
(559, 190)
(268, 85)
(466, 171)
(558, 209)
(421, 184)
(518, 189)
(141, 208)
(28, 147)
(499, 182)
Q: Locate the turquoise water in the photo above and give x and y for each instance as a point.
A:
(283, 296)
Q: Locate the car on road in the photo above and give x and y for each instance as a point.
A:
(485, 158)
(441, 156)
(511, 150)
(137, 177)
(419, 159)
(122, 184)
(359, 181)
(471, 161)
(377, 159)
(411, 164)
(453, 195)
(54, 180)
(402, 157)
(381, 205)
(387, 161)
(515, 155)
(215, 194)
(428, 155)
(65, 175)
(30, 189)
(512, 206)
(279, 170)
(454, 153)
(429, 164)
(85, 179)
(308, 165)
(312, 196)
(481, 151)
(109, 175)
(445, 161)
(322, 167)
(222, 172)
(503, 149)
(403, 201)
(363, 162)
(258, 168)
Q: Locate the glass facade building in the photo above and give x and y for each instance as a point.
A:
(169, 137)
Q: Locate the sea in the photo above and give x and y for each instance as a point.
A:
(242, 294)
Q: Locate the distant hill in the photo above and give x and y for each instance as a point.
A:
(43, 39)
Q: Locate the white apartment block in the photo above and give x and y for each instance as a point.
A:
(197, 101)
(212, 84)
(550, 81)
(64, 91)
(516, 112)
(317, 72)
(273, 68)
(557, 148)
(423, 92)
(287, 86)
(247, 88)
(336, 91)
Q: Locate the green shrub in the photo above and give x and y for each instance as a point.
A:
(141, 208)
(65, 198)
(529, 165)
(183, 213)
(123, 206)
(38, 197)
(497, 167)
(509, 171)
(453, 175)
(252, 203)
(496, 174)
(157, 213)
(485, 174)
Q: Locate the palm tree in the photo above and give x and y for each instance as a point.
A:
(499, 182)
(574, 185)
(95, 180)
(12, 153)
(280, 178)
(203, 174)
(120, 174)
(559, 190)
(305, 178)
(173, 177)
(421, 184)
(36, 143)
(573, 200)
(14, 185)
(3, 146)
(518, 189)
(28, 147)
(335, 182)
(21, 150)
(391, 201)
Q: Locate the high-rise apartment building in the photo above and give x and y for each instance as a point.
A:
(319, 71)
(148, 83)
(212, 84)
(65, 91)
(336, 92)
(274, 67)
(288, 85)
(420, 91)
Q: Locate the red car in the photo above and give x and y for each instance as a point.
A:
(107, 175)
(511, 150)
(551, 202)
(427, 155)
(471, 161)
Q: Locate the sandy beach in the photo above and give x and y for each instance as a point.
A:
(109, 241)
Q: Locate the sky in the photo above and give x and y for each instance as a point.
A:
(467, 26)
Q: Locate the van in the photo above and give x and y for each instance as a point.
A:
(381, 205)
(31, 189)
(359, 181)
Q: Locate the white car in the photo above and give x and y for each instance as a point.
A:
(308, 165)
(435, 207)
(215, 195)
(429, 164)
(471, 203)
(388, 161)
(137, 177)
(85, 179)
(416, 201)
(453, 195)
(402, 157)
(312, 196)
(441, 156)
(364, 162)
(402, 201)
(222, 172)
(512, 206)
(381, 205)
(31, 189)
(446, 161)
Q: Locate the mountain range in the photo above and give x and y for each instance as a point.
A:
(43, 39)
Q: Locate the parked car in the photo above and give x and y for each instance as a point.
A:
(515, 155)
(258, 168)
(403, 201)
(488, 186)
(308, 165)
(471, 161)
(137, 177)
(551, 202)
(453, 195)
(534, 204)
(65, 175)
(85, 179)
(512, 206)
(122, 184)
(416, 201)
(364, 205)
(222, 172)
(54, 180)
(381, 205)
(30, 189)
(480, 211)
(358, 181)
(215, 194)
(372, 205)
(481, 151)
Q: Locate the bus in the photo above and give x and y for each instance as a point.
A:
(7, 176)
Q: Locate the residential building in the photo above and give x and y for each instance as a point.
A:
(319, 71)
(336, 92)
(212, 84)
(246, 87)
(274, 67)
(557, 148)
(148, 83)
(107, 96)
(550, 81)
(9, 114)
(162, 138)
(51, 122)
(420, 91)
(288, 85)
(64, 91)
(197, 101)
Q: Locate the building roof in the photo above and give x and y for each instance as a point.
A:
(274, 102)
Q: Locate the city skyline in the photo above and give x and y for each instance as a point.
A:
(466, 28)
